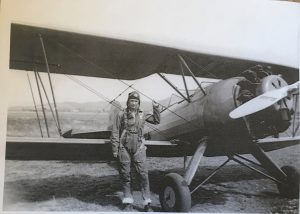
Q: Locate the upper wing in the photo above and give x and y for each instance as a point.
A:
(81, 54)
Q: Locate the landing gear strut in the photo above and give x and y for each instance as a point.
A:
(287, 177)
(175, 195)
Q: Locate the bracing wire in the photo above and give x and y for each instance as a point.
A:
(204, 69)
(113, 100)
(114, 77)
(121, 93)
(87, 87)
(81, 83)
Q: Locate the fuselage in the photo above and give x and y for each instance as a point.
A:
(208, 116)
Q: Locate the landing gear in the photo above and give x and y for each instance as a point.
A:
(175, 195)
(291, 187)
(286, 177)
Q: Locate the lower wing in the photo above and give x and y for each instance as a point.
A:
(25, 148)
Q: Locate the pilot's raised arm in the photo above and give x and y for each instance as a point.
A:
(154, 118)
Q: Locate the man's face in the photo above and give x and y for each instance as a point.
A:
(133, 104)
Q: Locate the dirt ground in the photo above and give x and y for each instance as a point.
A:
(94, 186)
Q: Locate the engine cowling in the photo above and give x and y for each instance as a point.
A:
(220, 101)
(228, 94)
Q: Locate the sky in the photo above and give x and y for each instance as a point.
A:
(239, 29)
(67, 90)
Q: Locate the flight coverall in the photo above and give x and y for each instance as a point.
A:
(128, 145)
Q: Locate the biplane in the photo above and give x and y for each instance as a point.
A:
(243, 113)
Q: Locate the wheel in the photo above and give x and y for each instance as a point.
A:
(291, 188)
(175, 194)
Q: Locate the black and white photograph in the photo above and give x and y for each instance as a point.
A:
(149, 106)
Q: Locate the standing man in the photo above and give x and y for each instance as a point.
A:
(129, 147)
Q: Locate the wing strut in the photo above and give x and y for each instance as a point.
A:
(48, 71)
(174, 87)
(37, 113)
(192, 74)
(47, 98)
(183, 78)
(42, 103)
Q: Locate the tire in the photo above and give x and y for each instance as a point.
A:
(175, 194)
(291, 188)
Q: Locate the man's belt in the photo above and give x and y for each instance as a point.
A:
(132, 132)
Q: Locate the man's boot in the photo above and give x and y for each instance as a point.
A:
(147, 208)
(127, 208)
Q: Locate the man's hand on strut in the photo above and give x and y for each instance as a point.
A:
(155, 104)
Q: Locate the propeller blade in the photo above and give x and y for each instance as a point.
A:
(263, 101)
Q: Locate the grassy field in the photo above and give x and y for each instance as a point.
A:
(95, 186)
(21, 124)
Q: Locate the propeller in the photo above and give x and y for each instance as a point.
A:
(263, 101)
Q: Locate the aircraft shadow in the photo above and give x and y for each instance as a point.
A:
(105, 190)
(230, 173)
(90, 189)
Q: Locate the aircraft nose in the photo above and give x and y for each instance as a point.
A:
(273, 82)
